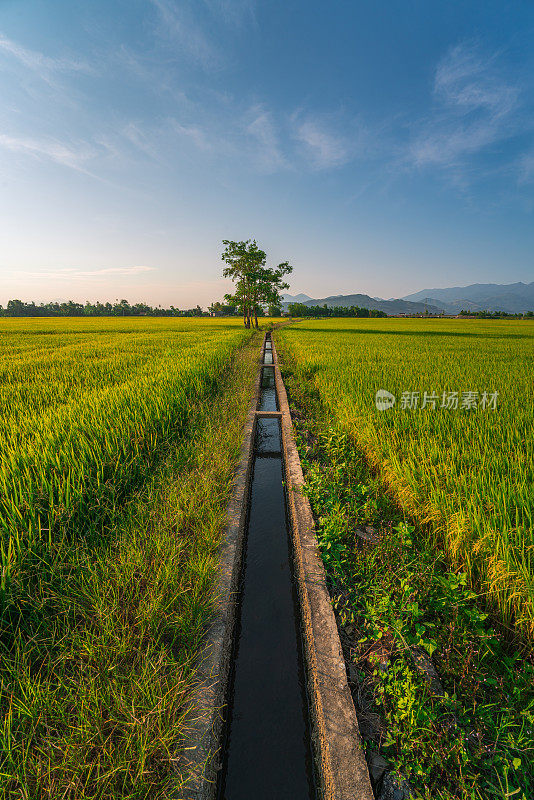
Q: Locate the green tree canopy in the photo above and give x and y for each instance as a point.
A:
(255, 283)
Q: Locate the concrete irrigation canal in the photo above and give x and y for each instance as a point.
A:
(277, 721)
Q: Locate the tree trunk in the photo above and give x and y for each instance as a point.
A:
(255, 316)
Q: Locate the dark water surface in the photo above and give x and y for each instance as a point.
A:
(268, 750)
(268, 401)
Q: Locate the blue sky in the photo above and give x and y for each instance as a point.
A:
(379, 147)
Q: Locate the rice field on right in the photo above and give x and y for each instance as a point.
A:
(456, 448)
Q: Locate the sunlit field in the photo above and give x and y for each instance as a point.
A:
(83, 404)
(465, 473)
(118, 442)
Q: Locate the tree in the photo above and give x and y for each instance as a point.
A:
(15, 308)
(221, 310)
(256, 284)
(269, 283)
(244, 259)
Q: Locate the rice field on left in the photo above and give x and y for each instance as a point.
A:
(119, 438)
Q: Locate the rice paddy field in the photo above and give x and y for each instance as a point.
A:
(118, 440)
(467, 474)
(423, 511)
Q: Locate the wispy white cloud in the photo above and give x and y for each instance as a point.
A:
(194, 133)
(72, 156)
(135, 134)
(475, 106)
(267, 155)
(146, 68)
(73, 273)
(180, 26)
(470, 80)
(44, 66)
(324, 147)
(234, 12)
(186, 24)
(222, 131)
(525, 168)
(91, 158)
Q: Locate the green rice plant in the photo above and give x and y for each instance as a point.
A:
(466, 474)
(84, 404)
(113, 505)
(444, 697)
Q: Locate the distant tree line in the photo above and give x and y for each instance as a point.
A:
(495, 315)
(122, 308)
(301, 310)
(222, 310)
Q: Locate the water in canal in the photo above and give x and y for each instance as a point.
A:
(268, 401)
(267, 753)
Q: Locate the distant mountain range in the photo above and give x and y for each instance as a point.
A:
(513, 298)
(391, 307)
(295, 298)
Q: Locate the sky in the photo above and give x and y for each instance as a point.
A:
(381, 148)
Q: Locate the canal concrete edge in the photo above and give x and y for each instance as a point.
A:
(340, 757)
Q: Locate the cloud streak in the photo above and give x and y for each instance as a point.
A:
(267, 155)
(475, 107)
(525, 169)
(73, 273)
(193, 133)
(180, 26)
(50, 149)
(234, 12)
(44, 66)
(182, 22)
(323, 147)
(467, 79)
